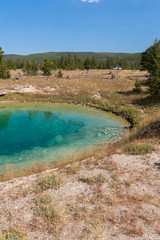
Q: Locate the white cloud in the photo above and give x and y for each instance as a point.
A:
(90, 1)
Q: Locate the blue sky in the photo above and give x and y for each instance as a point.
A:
(31, 26)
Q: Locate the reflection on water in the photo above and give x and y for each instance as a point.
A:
(28, 135)
(4, 119)
(26, 130)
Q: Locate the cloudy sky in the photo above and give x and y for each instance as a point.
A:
(29, 26)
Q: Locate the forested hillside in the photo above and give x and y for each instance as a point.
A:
(39, 57)
(72, 61)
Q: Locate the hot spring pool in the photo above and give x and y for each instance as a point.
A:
(34, 133)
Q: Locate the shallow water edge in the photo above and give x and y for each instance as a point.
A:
(93, 127)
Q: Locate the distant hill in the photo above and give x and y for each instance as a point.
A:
(38, 57)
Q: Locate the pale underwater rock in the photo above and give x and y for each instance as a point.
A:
(59, 139)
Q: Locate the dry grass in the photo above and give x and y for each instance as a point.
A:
(44, 207)
(71, 170)
(97, 179)
(14, 234)
(47, 182)
(100, 198)
(139, 149)
(76, 211)
(98, 152)
(106, 200)
(92, 89)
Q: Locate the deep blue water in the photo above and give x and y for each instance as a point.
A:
(40, 133)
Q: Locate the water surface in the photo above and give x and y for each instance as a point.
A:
(34, 133)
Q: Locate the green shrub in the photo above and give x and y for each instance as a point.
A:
(46, 67)
(99, 178)
(77, 211)
(130, 114)
(4, 72)
(44, 207)
(60, 74)
(13, 234)
(139, 149)
(47, 183)
(85, 180)
(138, 87)
(43, 199)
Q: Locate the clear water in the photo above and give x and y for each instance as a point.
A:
(34, 133)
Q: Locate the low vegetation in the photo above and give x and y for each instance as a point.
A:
(14, 234)
(99, 178)
(103, 192)
(96, 91)
(77, 211)
(47, 182)
(139, 149)
(138, 87)
(98, 194)
(44, 207)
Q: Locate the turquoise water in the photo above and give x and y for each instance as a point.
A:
(34, 133)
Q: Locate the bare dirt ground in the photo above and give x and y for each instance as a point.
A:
(113, 198)
(19, 83)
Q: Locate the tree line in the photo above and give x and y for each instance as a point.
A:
(150, 61)
(72, 63)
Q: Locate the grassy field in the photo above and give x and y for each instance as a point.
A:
(94, 88)
(102, 89)
(111, 191)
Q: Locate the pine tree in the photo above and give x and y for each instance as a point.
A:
(34, 67)
(1, 54)
(26, 68)
(46, 67)
(87, 63)
(30, 68)
(150, 60)
(4, 72)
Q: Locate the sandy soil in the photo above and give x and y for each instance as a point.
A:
(113, 198)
